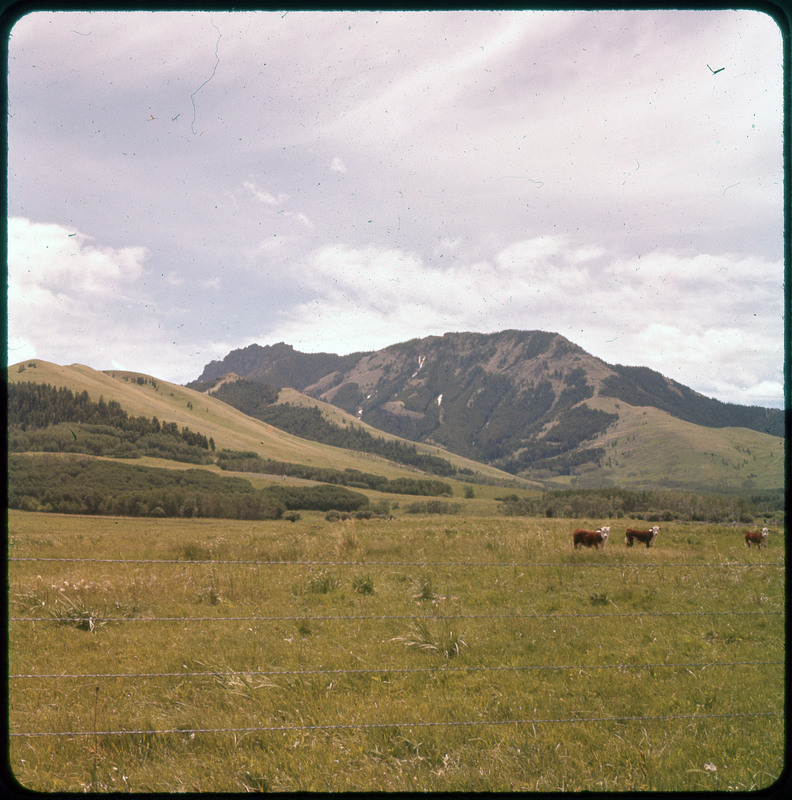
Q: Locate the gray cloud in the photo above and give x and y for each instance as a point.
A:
(347, 180)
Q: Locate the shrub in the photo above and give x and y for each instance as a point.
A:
(421, 636)
(79, 615)
(426, 590)
(600, 599)
(323, 583)
(363, 584)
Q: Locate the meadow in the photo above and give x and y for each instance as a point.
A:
(426, 653)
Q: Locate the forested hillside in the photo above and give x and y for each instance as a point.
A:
(70, 453)
(46, 418)
(75, 484)
(260, 401)
(640, 386)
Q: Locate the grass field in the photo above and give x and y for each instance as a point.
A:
(426, 653)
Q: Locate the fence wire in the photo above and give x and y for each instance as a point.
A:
(521, 564)
(361, 671)
(387, 617)
(370, 725)
(394, 670)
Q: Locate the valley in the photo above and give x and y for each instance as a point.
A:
(201, 600)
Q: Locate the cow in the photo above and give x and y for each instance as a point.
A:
(757, 538)
(584, 538)
(647, 537)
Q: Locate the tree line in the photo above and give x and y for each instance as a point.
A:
(43, 418)
(655, 505)
(80, 485)
(248, 461)
(106, 440)
(46, 418)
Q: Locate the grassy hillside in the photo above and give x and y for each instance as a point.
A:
(341, 418)
(646, 447)
(649, 447)
(141, 394)
(641, 386)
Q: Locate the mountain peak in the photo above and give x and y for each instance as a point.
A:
(521, 401)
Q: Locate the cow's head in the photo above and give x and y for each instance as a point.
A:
(604, 533)
(655, 530)
(765, 533)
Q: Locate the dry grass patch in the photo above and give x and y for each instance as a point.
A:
(464, 656)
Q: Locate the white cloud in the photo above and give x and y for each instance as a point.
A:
(713, 322)
(264, 196)
(20, 350)
(587, 253)
(719, 361)
(303, 219)
(174, 279)
(369, 298)
(765, 393)
(446, 245)
(69, 296)
(276, 201)
(531, 252)
(54, 262)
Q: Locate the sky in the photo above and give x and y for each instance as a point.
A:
(183, 184)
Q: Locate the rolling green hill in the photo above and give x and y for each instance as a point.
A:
(144, 395)
(648, 447)
(641, 447)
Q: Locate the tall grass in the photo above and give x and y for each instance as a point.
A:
(418, 682)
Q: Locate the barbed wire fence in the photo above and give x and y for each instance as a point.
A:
(687, 665)
(520, 564)
(401, 724)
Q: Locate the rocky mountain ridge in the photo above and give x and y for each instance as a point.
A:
(524, 401)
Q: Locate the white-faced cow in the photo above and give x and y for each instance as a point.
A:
(647, 537)
(758, 538)
(584, 538)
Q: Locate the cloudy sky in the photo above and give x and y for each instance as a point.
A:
(184, 184)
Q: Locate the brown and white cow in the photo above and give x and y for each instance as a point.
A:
(584, 538)
(647, 537)
(758, 538)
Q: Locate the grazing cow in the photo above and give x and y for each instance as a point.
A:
(584, 538)
(647, 537)
(757, 538)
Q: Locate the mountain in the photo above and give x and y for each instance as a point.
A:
(534, 404)
(143, 395)
(277, 365)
